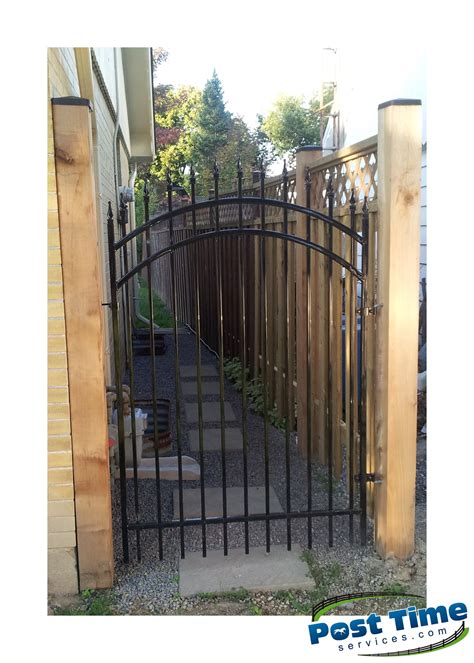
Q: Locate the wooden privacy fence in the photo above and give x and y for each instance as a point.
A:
(353, 168)
(391, 194)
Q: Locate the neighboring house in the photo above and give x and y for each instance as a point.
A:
(118, 83)
(358, 92)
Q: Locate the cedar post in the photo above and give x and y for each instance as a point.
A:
(305, 157)
(399, 169)
(84, 336)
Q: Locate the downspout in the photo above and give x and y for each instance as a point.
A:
(138, 315)
(116, 181)
(136, 305)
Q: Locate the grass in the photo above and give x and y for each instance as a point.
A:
(161, 315)
(92, 604)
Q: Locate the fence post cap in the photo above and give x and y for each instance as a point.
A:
(309, 148)
(400, 102)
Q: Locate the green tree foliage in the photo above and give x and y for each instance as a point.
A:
(213, 130)
(240, 143)
(176, 112)
(292, 123)
(266, 151)
(213, 121)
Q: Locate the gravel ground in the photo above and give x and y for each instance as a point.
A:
(151, 586)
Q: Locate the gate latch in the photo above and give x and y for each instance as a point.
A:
(370, 477)
(369, 310)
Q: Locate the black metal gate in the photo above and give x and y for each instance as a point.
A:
(121, 275)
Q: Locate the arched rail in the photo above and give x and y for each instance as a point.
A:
(257, 232)
(238, 200)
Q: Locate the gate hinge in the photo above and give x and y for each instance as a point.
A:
(370, 477)
(369, 310)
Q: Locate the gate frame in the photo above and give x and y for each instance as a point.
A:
(307, 245)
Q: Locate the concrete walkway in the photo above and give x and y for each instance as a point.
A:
(280, 569)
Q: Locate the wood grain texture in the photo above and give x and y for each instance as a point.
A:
(84, 333)
(399, 161)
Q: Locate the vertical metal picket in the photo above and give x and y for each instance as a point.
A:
(146, 203)
(197, 314)
(118, 381)
(286, 350)
(309, 431)
(169, 190)
(264, 333)
(363, 378)
(330, 341)
(243, 354)
(123, 216)
(220, 324)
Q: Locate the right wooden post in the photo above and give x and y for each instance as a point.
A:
(399, 173)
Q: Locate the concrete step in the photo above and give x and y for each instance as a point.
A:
(211, 411)
(235, 501)
(190, 371)
(212, 439)
(168, 469)
(278, 570)
(208, 388)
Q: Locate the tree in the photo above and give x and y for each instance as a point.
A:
(159, 55)
(293, 123)
(240, 144)
(213, 125)
(176, 112)
(266, 151)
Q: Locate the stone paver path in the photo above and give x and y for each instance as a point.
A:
(281, 569)
(211, 411)
(235, 501)
(212, 439)
(208, 388)
(190, 371)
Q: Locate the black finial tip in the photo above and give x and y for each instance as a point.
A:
(365, 206)
(168, 177)
(330, 187)
(239, 166)
(145, 188)
(285, 170)
(216, 168)
(192, 173)
(307, 177)
(352, 198)
(110, 214)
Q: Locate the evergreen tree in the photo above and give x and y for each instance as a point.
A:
(213, 125)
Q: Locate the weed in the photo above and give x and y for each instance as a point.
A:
(254, 391)
(93, 603)
(255, 609)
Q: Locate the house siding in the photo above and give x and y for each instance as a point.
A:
(62, 551)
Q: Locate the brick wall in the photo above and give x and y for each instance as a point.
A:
(62, 562)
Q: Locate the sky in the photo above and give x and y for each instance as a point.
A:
(251, 81)
(253, 77)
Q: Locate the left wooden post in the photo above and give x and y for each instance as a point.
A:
(84, 338)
